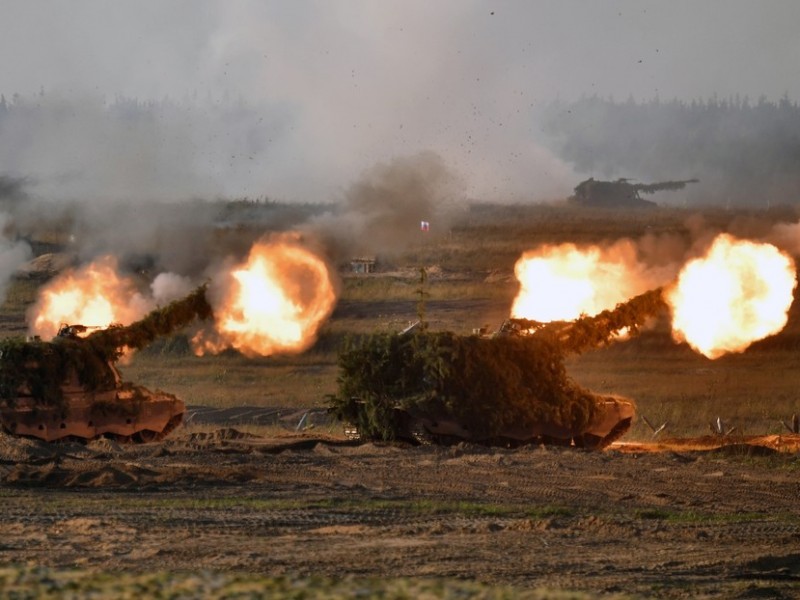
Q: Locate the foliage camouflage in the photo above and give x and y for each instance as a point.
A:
(485, 384)
(111, 342)
(584, 333)
(41, 369)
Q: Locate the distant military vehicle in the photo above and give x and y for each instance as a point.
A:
(621, 193)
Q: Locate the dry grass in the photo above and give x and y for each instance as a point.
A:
(379, 287)
(232, 380)
(753, 391)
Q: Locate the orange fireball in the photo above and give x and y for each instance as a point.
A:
(560, 283)
(94, 295)
(274, 303)
(736, 294)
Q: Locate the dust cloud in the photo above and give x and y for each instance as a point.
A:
(384, 210)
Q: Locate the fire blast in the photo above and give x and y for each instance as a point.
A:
(274, 303)
(561, 283)
(736, 294)
(94, 295)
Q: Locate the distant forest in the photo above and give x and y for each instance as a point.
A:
(88, 146)
(743, 153)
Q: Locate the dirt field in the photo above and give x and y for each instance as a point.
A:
(679, 523)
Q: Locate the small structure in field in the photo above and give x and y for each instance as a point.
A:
(362, 265)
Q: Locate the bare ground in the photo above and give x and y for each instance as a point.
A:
(706, 518)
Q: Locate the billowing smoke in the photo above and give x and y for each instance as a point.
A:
(369, 107)
(392, 206)
(12, 189)
(744, 153)
(83, 147)
(167, 287)
(295, 99)
(13, 254)
(148, 235)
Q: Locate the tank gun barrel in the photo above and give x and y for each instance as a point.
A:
(158, 323)
(590, 332)
(651, 188)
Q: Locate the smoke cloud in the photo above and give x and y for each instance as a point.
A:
(200, 98)
(390, 112)
(383, 211)
(167, 287)
(13, 254)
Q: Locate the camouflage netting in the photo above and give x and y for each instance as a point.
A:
(514, 380)
(40, 369)
(112, 341)
(584, 333)
(487, 385)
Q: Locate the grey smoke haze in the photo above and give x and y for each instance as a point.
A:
(383, 210)
(296, 99)
(745, 152)
(13, 254)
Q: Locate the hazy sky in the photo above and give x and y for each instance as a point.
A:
(357, 82)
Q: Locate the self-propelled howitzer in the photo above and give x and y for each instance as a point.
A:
(621, 193)
(508, 389)
(69, 387)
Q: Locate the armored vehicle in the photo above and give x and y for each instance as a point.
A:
(506, 390)
(70, 388)
(621, 193)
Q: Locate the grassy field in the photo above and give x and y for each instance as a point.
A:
(470, 284)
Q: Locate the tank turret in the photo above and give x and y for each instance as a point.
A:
(621, 193)
(508, 389)
(69, 387)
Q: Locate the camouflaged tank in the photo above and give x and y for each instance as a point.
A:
(508, 390)
(70, 388)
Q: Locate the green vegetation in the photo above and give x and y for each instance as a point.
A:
(487, 385)
(690, 516)
(112, 342)
(43, 368)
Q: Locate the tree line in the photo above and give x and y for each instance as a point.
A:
(744, 153)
